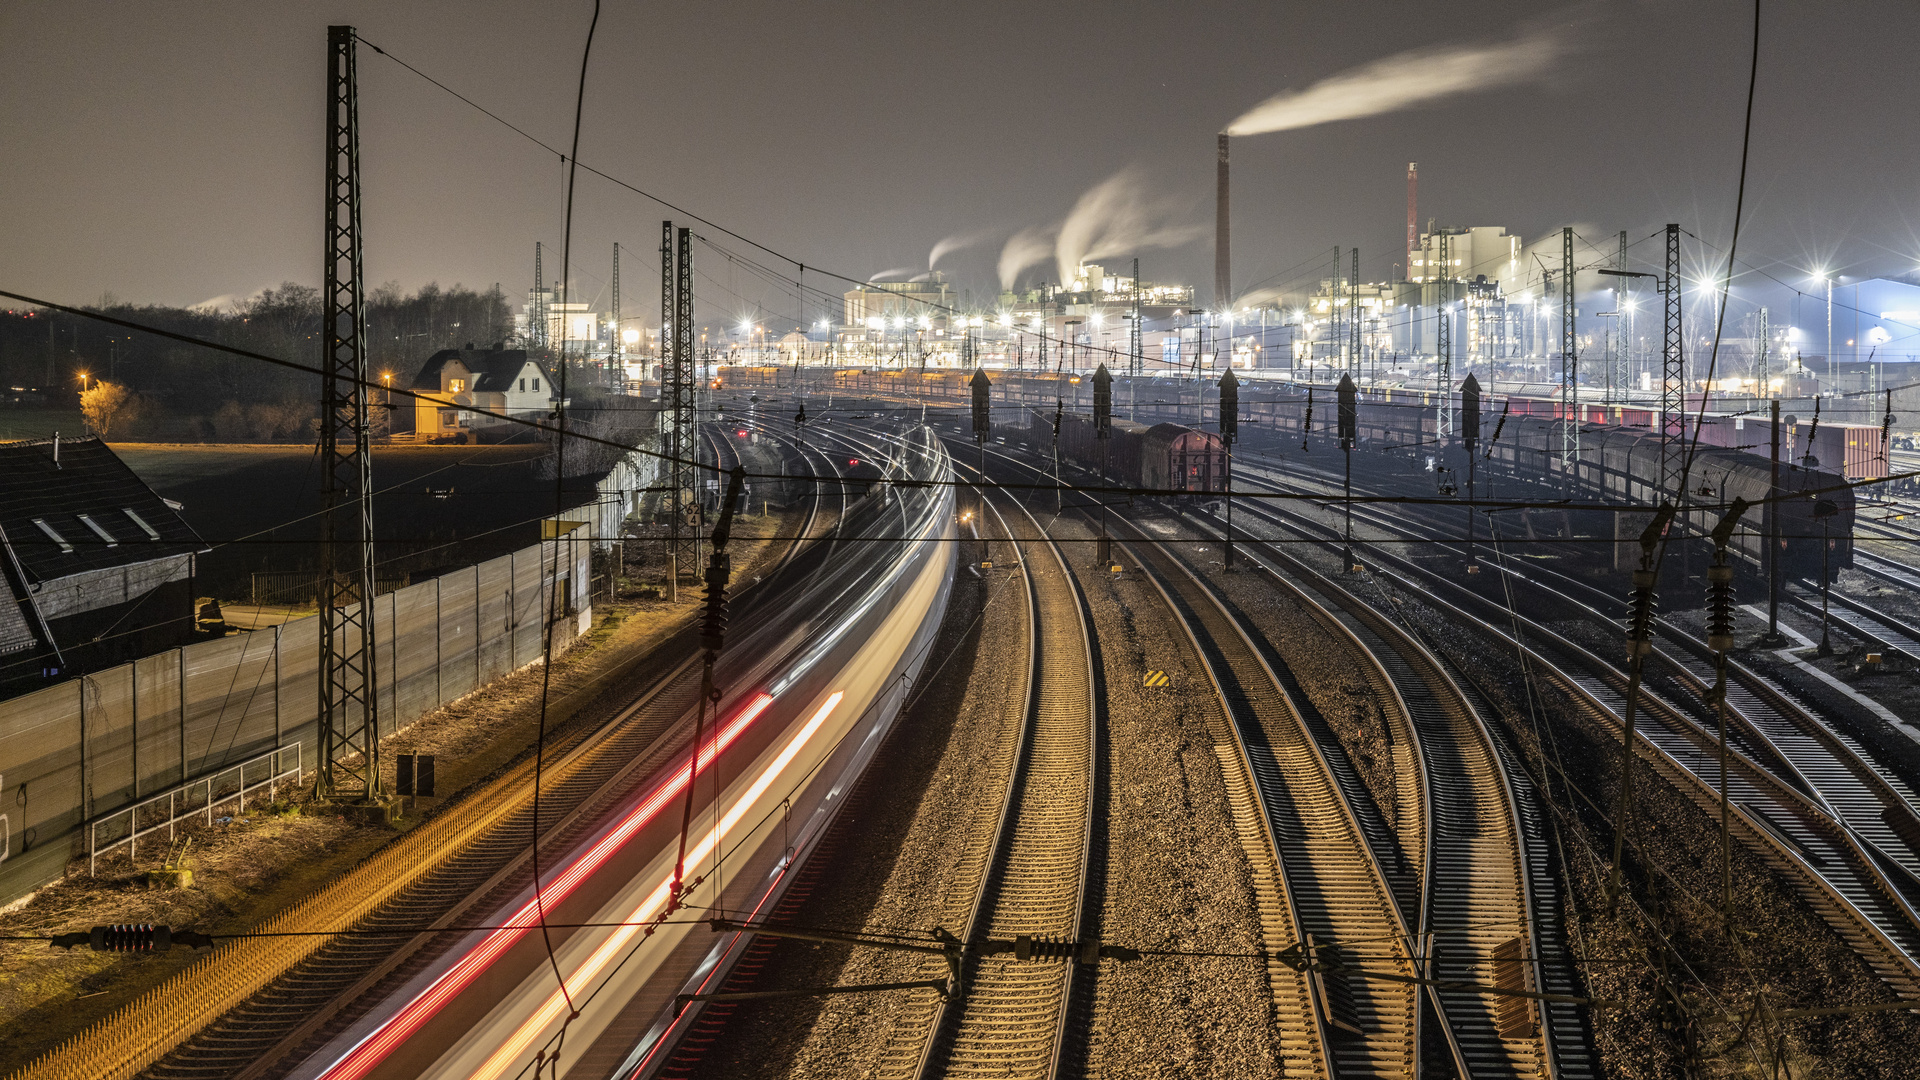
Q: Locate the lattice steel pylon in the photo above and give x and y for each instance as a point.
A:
(1569, 357)
(1443, 338)
(616, 374)
(349, 765)
(1621, 379)
(1136, 360)
(1353, 316)
(1673, 375)
(677, 413)
(537, 318)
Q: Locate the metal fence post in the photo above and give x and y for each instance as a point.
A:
(181, 653)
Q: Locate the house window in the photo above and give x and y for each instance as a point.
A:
(455, 386)
(523, 386)
(536, 385)
(103, 534)
(53, 536)
(152, 533)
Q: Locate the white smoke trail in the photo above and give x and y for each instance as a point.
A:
(1024, 248)
(895, 272)
(1407, 79)
(951, 244)
(1118, 217)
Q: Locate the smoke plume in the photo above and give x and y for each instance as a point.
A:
(1024, 248)
(1118, 217)
(1398, 82)
(951, 244)
(897, 271)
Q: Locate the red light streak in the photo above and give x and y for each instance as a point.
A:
(372, 1050)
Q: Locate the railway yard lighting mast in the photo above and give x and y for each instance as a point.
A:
(1443, 340)
(1569, 362)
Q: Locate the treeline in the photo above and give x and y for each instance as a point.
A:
(189, 393)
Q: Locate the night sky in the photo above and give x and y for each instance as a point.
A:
(171, 153)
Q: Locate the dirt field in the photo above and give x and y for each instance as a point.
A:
(435, 507)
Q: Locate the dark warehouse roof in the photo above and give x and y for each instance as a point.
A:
(89, 483)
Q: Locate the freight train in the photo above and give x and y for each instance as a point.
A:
(1618, 458)
(1163, 457)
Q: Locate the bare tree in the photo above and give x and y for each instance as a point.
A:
(102, 404)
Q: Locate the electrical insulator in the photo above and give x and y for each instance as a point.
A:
(1028, 947)
(133, 937)
(1720, 608)
(713, 629)
(1640, 618)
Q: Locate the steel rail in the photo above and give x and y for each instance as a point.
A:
(1797, 837)
(242, 1010)
(1010, 1016)
(1479, 877)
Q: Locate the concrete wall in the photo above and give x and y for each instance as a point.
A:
(81, 750)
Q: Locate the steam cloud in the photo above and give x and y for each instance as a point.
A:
(1400, 81)
(895, 272)
(951, 244)
(1118, 217)
(1024, 248)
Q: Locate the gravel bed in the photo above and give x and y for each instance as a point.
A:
(892, 858)
(1175, 877)
(1779, 942)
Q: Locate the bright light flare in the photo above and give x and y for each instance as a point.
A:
(371, 1051)
(582, 978)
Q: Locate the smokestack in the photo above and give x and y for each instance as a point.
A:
(1413, 240)
(1222, 241)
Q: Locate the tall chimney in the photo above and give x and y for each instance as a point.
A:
(1413, 240)
(1222, 241)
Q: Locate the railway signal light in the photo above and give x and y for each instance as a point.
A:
(1229, 407)
(1470, 413)
(1349, 412)
(1102, 402)
(133, 937)
(982, 420)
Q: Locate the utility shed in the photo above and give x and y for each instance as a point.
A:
(99, 567)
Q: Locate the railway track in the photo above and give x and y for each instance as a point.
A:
(1318, 885)
(1010, 1016)
(1771, 725)
(1490, 901)
(1838, 875)
(248, 1011)
(1479, 863)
